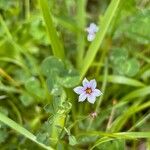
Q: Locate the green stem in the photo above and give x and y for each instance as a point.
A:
(103, 91)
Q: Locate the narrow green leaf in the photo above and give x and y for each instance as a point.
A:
(94, 47)
(57, 46)
(140, 122)
(132, 135)
(122, 119)
(136, 93)
(122, 80)
(14, 61)
(21, 130)
(122, 135)
(81, 20)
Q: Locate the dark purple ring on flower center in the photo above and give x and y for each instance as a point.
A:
(88, 91)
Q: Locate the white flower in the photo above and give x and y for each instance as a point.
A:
(88, 90)
(92, 29)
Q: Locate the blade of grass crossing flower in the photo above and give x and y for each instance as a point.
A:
(12, 124)
(94, 46)
(57, 46)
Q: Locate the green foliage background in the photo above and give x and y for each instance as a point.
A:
(44, 54)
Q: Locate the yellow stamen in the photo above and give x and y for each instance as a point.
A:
(88, 91)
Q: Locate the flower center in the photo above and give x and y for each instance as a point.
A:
(88, 91)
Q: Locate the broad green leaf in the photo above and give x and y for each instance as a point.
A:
(120, 66)
(132, 67)
(70, 77)
(52, 65)
(37, 30)
(137, 28)
(51, 82)
(69, 81)
(118, 53)
(54, 87)
(54, 106)
(32, 85)
(146, 74)
(27, 99)
(72, 140)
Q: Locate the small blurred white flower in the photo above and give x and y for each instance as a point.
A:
(92, 29)
(88, 90)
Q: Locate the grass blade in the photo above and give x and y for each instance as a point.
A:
(122, 80)
(81, 20)
(21, 130)
(93, 49)
(136, 93)
(121, 120)
(57, 46)
(121, 135)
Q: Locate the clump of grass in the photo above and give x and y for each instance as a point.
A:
(45, 54)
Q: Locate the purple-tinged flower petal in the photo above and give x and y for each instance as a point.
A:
(93, 27)
(97, 92)
(90, 37)
(82, 97)
(85, 82)
(91, 98)
(78, 90)
(93, 84)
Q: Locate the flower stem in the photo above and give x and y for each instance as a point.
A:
(103, 91)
